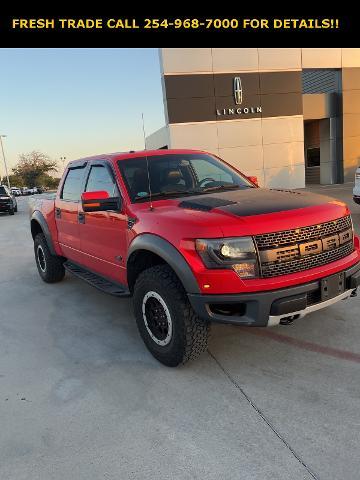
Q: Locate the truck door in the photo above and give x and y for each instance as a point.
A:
(103, 234)
(66, 212)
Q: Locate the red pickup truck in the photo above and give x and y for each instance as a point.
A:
(194, 241)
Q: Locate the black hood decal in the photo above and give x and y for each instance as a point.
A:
(255, 201)
(205, 204)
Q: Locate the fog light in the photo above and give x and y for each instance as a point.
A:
(245, 270)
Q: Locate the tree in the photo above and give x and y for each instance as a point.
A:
(32, 167)
(48, 181)
(16, 181)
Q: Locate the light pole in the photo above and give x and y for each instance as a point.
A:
(63, 162)
(6, 170)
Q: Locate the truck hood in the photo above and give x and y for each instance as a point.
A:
(248, 212)
(254, 201)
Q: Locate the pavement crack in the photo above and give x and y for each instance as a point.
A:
(264, 417)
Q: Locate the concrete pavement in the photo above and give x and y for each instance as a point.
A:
(80, 396)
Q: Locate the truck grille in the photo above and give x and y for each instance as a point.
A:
(304, 263)
(313, 232)
(296, 250)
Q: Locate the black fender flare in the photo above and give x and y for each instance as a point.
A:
(165, 250)
(38, 217)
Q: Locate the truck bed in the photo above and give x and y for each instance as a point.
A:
(41, 202)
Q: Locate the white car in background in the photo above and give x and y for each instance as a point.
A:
(29, 191)
(16, 191)
(356, 191)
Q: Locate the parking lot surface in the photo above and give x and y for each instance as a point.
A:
(81, 398)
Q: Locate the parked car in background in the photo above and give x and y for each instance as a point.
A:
(16, 191)
(7, 200)
(34, 190)
(29, 191)
(356, 191)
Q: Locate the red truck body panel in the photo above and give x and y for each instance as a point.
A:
(102, 243)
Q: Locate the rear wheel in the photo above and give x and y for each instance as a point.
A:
(11, 211)
(168, 325)
(50, 267)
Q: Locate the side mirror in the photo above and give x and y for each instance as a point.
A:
(254, 180)
(99, 201)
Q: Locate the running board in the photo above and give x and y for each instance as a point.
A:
(97, 281)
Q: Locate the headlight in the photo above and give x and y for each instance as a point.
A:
(237, 253)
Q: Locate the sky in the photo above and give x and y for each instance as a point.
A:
(77, 102)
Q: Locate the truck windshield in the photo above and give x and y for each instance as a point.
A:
(178, 175)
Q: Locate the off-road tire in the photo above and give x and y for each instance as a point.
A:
(189, 333)
(50, 267)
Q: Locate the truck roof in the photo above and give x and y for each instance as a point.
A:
(134, 154)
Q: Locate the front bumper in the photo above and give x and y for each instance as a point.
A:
(269, 308)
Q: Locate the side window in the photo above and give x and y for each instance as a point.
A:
(101, 179)
(73, 184)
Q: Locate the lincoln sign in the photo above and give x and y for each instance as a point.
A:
(238, 111)
(238, 99)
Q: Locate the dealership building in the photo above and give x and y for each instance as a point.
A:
(289, 116)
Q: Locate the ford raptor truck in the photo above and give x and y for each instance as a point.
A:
(194, 241)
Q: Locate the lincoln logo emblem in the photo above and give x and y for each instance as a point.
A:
(238, 93)
(238, 99)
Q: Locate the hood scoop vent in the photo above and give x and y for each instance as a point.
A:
(205, 204)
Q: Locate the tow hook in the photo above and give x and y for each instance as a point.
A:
(354, 293)
(289, 320)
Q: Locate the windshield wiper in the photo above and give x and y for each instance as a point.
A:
(222, 187)
(171, 193)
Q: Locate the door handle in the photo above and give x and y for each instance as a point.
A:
(81, 217)
(57, 212)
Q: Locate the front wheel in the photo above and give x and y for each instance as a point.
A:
(50, 267)
(11, 211)
(168, 325)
